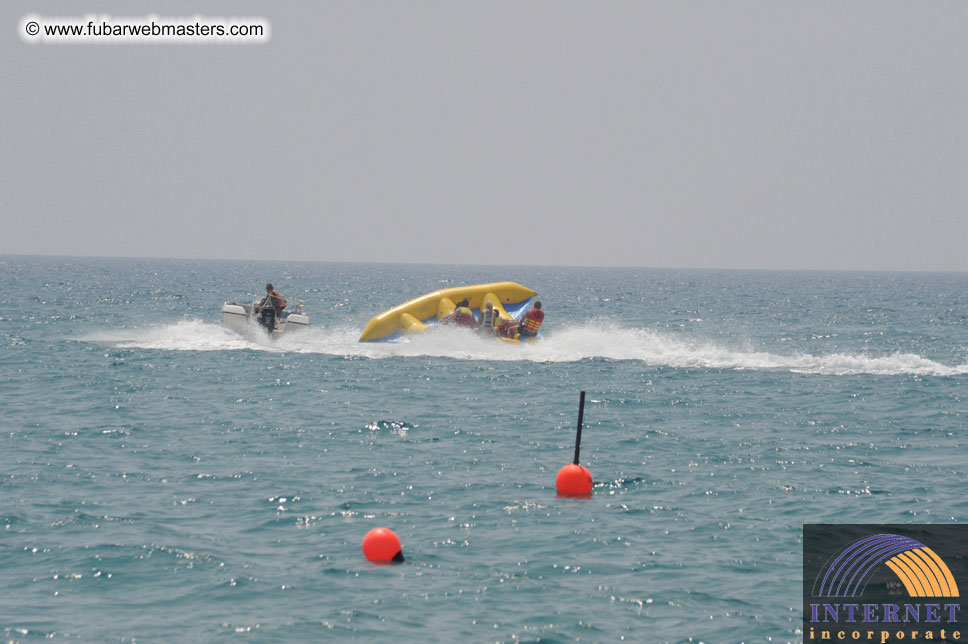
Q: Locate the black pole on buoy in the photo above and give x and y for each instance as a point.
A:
(574, 479)
(581, 413)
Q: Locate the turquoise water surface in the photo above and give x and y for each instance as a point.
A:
(166, 480)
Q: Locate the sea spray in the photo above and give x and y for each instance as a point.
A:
(566, 343)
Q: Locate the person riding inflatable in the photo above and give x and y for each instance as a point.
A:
(531, 321)
(489, 318)
(463, 316)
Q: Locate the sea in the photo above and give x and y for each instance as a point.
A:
(163, 479)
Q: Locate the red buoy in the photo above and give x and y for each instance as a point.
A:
(381, 545)
(574, 480)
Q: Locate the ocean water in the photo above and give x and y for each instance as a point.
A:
(166, 480)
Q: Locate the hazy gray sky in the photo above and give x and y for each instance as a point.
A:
(666, 133)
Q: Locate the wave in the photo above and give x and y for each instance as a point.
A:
(568, 344)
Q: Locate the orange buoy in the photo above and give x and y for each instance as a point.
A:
(381, 545)
(574, 480)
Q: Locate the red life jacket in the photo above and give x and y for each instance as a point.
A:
(533, 320)
(464, 317)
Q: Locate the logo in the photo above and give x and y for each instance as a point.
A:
(883, 583)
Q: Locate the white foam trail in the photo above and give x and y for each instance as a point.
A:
(568, 344)
(186, 335)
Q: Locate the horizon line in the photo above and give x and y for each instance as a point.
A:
(530, 265)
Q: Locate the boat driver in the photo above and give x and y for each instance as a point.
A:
(270, 308)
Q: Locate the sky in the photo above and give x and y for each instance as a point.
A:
(675, 133)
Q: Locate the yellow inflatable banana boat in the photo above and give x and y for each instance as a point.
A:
(509, 299)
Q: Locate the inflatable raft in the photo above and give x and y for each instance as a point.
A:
(509, 299)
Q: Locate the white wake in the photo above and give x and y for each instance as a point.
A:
(569, 344)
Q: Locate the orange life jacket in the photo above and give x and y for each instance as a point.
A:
(533, 320)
